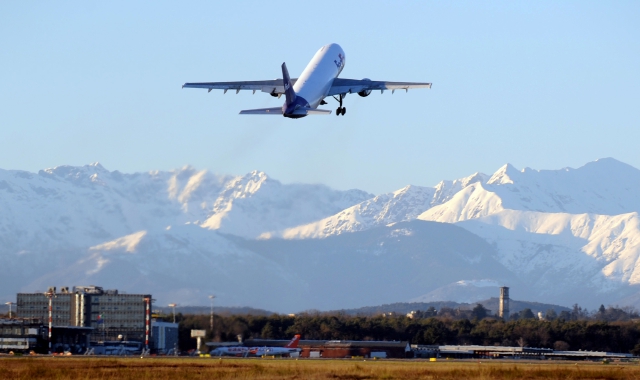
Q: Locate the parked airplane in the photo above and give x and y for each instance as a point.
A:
(318, 80)
(291, 347)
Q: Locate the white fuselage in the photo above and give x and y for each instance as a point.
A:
(266, 351)
(252, 351)
(230, 351)
(291, 347)
(316, 79)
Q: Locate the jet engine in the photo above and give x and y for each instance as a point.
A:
(365, 93)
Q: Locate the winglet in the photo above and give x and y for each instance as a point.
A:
(288, 88)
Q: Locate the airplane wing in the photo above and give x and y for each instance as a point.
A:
(352, 86)
(274, 87)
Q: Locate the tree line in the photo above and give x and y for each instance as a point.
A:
(609, 314)
(607, 329)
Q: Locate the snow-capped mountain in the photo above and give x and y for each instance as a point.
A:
(571, 233)
(605, 186)
(402, 205)
(88, 217)
(82, 206)
(562, 236)
(568, 233)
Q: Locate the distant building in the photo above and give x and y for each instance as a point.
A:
(164, 336)
(21, 335)
(25, 335)
(113, 315)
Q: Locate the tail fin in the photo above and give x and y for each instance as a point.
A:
(288, 88)
(294, 342)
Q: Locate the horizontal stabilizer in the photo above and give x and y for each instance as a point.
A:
(263, 111)
(311, 111)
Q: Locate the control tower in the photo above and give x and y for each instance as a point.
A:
(503, 311)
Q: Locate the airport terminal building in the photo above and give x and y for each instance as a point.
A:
(111, 314)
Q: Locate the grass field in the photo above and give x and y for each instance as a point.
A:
(63, 368)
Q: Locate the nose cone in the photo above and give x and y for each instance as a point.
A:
(335, 52)
(333, 49)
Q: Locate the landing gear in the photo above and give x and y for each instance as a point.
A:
(340, 110)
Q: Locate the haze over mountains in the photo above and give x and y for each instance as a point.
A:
(554, 236)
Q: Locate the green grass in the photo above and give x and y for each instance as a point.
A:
(67, 368)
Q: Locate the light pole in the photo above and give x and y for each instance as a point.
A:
(9, 303)
(50, 294)
(147, 321)
(211, 297)
(173, 306)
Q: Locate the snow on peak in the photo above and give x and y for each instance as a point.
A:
(255, 205)
(479, 283)
(504, 175)
(608, 161)
(401, 205)
(127, 243)
(89, 204)
(184, 184)
(403, 191)
(257, 174)
(253, 181)
(605, 186)
(475, 177)
(77, 173)
(473, 201)
(445, 190)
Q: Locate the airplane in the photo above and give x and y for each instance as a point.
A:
(318, 81)
(290, 348)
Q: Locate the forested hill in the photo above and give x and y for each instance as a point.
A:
(400, 308)
(491, 304)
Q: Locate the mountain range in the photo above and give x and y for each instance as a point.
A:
(555, 236)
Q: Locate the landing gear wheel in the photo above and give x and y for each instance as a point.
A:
(340, 110)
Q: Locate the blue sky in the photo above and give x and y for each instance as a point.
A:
(537, 84)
